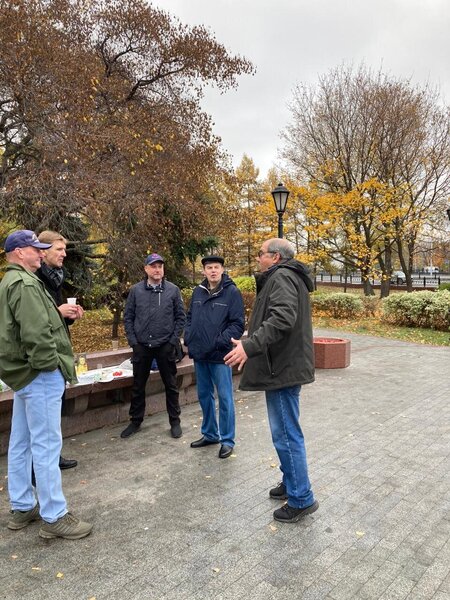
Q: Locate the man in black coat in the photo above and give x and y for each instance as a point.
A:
(154, 319)
(52, 275)
(279, 358)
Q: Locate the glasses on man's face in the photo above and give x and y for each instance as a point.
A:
(262, 252)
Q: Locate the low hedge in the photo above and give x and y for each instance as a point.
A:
(418, 309)
(338, 305)
(245, 283)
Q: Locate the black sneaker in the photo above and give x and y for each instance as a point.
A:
(279, 492)
(176, 431)
(130, 429)
(288, 514)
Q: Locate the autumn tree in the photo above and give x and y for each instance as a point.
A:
(100, 117)
(374, 153)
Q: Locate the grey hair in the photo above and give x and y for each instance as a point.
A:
(284, 248)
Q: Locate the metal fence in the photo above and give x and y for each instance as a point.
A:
(418, 280)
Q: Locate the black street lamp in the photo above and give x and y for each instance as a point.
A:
(280, 197)
(448, 213)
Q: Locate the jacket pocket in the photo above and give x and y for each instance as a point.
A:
(269, 363)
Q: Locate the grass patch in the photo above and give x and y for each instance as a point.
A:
(373, 326)
(93, 332)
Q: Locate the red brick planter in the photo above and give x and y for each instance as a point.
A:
(331, 353)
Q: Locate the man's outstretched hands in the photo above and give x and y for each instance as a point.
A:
(237, 356)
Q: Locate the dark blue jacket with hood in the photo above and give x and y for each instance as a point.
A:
(212, 320)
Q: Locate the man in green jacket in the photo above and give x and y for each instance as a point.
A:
(36, 360)
(279, 358)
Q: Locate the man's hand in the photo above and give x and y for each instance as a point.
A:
(237, 356)
(71, 311)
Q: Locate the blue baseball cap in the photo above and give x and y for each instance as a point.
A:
(152, 258)
(22, 239)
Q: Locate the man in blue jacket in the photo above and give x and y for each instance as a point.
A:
(154, 318)
(215, 316)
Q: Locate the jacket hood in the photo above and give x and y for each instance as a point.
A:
(294, 265)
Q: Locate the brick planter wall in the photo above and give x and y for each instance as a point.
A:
(331, 353)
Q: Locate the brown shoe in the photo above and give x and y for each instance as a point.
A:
(20, 519)
(67, 527)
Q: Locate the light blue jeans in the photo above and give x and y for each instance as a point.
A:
(208, 375)
(36, 437)
(283, 407)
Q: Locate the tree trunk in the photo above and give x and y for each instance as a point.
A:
(386, 268)
(365, 278)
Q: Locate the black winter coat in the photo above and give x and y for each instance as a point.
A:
(212, 320)
(154, 317)
(54, 290)
(280, 342)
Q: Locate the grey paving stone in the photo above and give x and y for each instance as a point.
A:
(177, 524)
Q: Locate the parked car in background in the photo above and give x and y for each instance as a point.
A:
(398, 277)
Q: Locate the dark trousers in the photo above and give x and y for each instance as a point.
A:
(142, 360)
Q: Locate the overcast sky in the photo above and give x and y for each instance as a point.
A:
(295, 41)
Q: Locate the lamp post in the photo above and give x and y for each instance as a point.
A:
(448, 213)
(280, 197)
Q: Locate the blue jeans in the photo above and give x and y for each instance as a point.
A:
(283, 407)
(36, 437)
(208, 375)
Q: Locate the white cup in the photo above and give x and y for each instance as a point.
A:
(71, 300)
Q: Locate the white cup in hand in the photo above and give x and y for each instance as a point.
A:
(71, 300)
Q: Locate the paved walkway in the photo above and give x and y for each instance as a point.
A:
(172, 523)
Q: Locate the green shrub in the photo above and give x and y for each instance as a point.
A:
(418, 309)
(186, 294)
(371, 305)
(245, 283)
(338, 305)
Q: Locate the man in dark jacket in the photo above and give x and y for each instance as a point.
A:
(216, 315)
(52, 275)
(154, 318)
(279, 359)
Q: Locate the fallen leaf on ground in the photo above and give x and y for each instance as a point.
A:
(216, 570)
(59, 575)
(273, 528)
(36, 568)
(273, 465)
(83, 481)
(208, 476)
(360, 533)
(14, 556)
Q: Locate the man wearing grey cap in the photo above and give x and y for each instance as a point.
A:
(36, 360)
(216, 315)
(154, 319)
